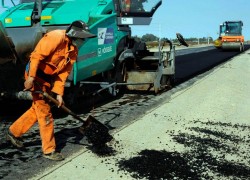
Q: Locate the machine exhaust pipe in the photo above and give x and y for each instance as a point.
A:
(21, 95)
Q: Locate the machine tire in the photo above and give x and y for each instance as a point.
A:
(72, 95)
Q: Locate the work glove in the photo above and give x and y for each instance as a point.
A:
(60, 100)
(29, 83)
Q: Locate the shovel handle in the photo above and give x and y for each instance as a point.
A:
(45, 94)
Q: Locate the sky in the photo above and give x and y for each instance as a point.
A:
(195, 18)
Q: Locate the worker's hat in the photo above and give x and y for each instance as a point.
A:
(78, 29)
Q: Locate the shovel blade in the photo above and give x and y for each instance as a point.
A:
(96, 132)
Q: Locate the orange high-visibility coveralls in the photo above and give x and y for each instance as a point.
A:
(54, 56)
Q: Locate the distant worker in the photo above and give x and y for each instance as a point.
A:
(49, 66)
(137, 5)
(126, 5)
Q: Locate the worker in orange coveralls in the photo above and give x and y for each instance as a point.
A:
(49, 66)
(126, 5)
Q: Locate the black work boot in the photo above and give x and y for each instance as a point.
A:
(56, 156)
(15, 141)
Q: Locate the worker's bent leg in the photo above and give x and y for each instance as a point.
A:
(24, 123)
(46, 125)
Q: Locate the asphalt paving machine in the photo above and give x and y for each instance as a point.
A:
(230, 36)
(110, 61)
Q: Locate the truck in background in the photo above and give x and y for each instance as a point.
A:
(230, 36)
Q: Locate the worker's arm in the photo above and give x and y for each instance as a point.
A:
(59, 84)
(45, 47)
(61, 78)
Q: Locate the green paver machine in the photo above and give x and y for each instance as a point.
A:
(111, 60)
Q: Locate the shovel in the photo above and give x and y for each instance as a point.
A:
(96, 132)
